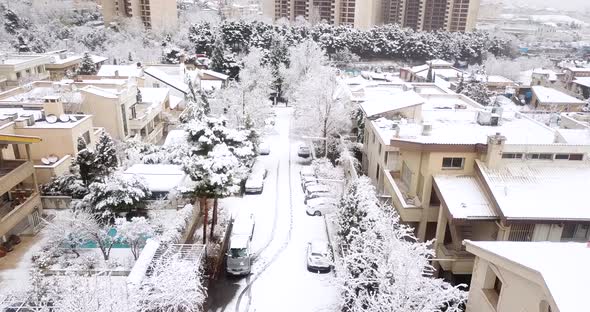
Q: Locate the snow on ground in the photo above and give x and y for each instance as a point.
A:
(280, 278)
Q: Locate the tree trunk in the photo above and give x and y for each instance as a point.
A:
(205, 210)
(213, 217)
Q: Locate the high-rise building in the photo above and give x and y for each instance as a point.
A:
(335, 12)
(153, 14)
(450, 15)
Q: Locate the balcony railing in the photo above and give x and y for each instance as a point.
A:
(13, 172)
(23, 207)
(400, 194)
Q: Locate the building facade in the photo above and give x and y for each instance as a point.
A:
(153, 14)
(427, 15)
(354, 13)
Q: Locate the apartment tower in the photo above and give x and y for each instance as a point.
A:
(336, 12)
(153, 14)
(450, 15)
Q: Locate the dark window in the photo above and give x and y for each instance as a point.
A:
(379, 148)
(562, 156)
(377, 173)
(453, 163)
(512, 155)
(497, 286)
(540, 156)
(385, 158)
(576, 156)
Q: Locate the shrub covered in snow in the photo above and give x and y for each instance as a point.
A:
(170, 231)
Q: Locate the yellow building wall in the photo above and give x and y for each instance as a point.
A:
(106, 113)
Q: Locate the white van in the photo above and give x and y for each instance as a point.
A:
(239, 254)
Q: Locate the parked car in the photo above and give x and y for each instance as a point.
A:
(255, 183)
(305, 181)
(318, 257)
(307, 172)
(320, 195)
(304, 151)
(263, 149)
(321, 208)
(316, 190)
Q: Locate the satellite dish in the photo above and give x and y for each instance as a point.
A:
(73, 118)
(45, 161)
(53, 158)
(51, 118)
(64, 118)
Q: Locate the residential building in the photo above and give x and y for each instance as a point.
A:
(63, 63)
(429, 15)
(572, 73)
(456, 170)
(525, 276)
(16, 69)
(582, 86)
(443, 72)
(336, 12)
(20, 205)
(113, 103)
(160, 179)
(153, 14)
(544, 98)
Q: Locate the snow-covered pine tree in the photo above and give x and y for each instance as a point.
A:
(478, 91)
(218, 62)
(106, 155)
(87, 66)
(85, 160)
(429, 75)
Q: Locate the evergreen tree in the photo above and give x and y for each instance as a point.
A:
(461, 84)
(85, 160)
(87, 66)
(218, 62)
(478, 91)
(429, 75)
(106, 155)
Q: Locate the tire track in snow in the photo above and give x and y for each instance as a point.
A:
(247, 289)
(274, 225)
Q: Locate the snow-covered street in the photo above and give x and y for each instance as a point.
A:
(279, 280)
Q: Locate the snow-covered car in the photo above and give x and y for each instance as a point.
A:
(307, 172)
(263, 149)
(305, 181)
(303, 151)
(319, 209)
(318, 257)
(315, 191)
(320, 195)
(255, 183)
(322, 200)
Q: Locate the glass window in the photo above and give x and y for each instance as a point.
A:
(238, 253)
(453, 162)
(562, 156)
(540, 156)
(576, 156)
(512, 155)
(385, 158)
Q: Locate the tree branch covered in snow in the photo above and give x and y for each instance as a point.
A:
(383, 266)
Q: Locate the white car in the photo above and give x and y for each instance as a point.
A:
(306, 172)
(320, 209)
(303, 151)
(263, 149)
(255, 183)
(318, 257)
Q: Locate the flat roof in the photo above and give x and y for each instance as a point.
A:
(159, 178)
(464, 197)
(550, 95)
(562, 266)
(540, 191)
(17, 59)
(123, 70)
(376, 106)
(583, 81)
(167, 79)
(575, 136)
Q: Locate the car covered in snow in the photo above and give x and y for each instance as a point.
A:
(316, 190)
(255, 182)
(307, 172)
(320, 208)
(318, 256)
(263, 149)
(307, 181)
(303, 151)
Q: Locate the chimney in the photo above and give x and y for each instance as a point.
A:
(52, 105)
(495, 148)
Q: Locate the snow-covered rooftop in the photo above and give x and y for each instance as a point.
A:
(583, 81)
(549, 95)
(102, 92)
(175, 137)
(120, 70)
(376, 106)
(575, 136)
(167, 79)
(154, 95)
(159, 178)
(562, 266)
(545, 191)
(215, 74)
(445, 73)
(464, 197)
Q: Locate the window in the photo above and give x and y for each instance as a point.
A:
(385, 158)
(379, 148)
(86, 137)
(133, 111)
(124, 116)
(521, 232)
(373, 135)
(406, 175)
(512, 155)
(453, 163)
(377, 173)
(539, 156)
(18, 75)
(492, 287)
(575, 232)
(569, 156)
(498, 286)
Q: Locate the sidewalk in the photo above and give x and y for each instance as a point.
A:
(332, 232)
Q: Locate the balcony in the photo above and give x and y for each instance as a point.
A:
(13, 172)
(14, 211)
(409, 207)
(46, 172)
(456, 261)
(144, 113)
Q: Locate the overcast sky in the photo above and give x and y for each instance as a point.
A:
(558, 4)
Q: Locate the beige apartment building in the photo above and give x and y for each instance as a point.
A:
(456, 170)
(359, 14)
(158, 15)
(427, 15)
(20, 204)
(17, 69)
(525, 276)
